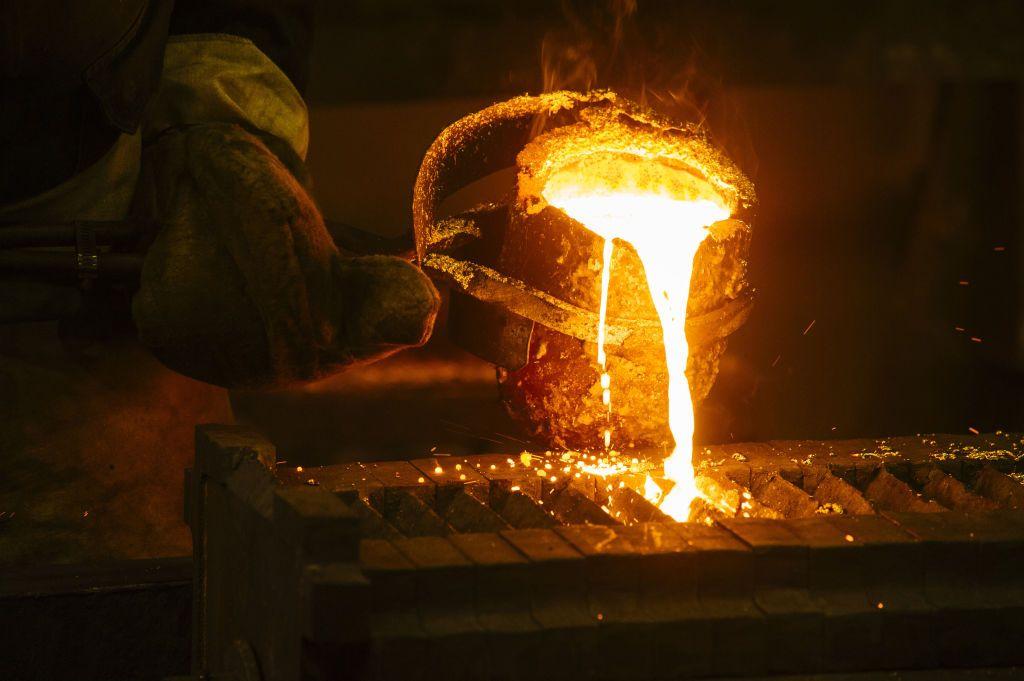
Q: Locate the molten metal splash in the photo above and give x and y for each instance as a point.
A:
(666, 232)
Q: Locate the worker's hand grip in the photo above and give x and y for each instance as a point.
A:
(244, 287)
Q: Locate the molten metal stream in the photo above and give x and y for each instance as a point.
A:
(666, 233)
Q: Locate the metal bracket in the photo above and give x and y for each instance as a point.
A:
(489, 286)
(87, 257)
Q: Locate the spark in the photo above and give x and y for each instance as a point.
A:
(809, 327)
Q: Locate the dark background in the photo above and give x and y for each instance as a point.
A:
(884, 142)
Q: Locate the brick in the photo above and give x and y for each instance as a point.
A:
(621, 648)
(551, 486)
(781, 591)
(502, 604)
(520, 510)
(445, 600)
(681, 640)
(1005, 491)
(889, 493)
(630, 507)
(393, 589)
(393, 620)
(890, 564)
(345, 480)
(892, 558)
(777, 493)
(465, 513)
(612, 569)
(851, 626)
(220, 449)
(528, 485)
(572, 508)
(408, 513)
(402, 475)
(837, 455)
(759, 455)
(950, 492)
(333, 588)
(323, 526)
(835, 493)
(372, 524)
(813, 475)
(499, 468)
(558, 601)
(696, 601)
(950, 555)
(1011, 518)
(737, 499)
(724, 570)
(593, 487)
(558, 585)
(740, 473)
(971, 616)
(999, 537)
(456, 474)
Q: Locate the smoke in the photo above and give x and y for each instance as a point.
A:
(645, 53)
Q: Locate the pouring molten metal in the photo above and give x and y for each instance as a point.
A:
(666, 232)
(620, 224)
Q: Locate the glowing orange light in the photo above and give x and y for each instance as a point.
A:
(666, 232)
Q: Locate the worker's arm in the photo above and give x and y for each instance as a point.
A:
(281, 29)
(243, 286)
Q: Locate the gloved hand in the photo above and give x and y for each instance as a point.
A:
(243, 286)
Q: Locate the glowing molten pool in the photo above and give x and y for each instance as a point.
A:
(665, 228)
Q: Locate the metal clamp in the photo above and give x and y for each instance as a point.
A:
(87, 257)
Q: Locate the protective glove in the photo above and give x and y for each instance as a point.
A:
(243, 286)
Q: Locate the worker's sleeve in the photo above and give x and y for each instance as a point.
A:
(243, 286)
(281, 29)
